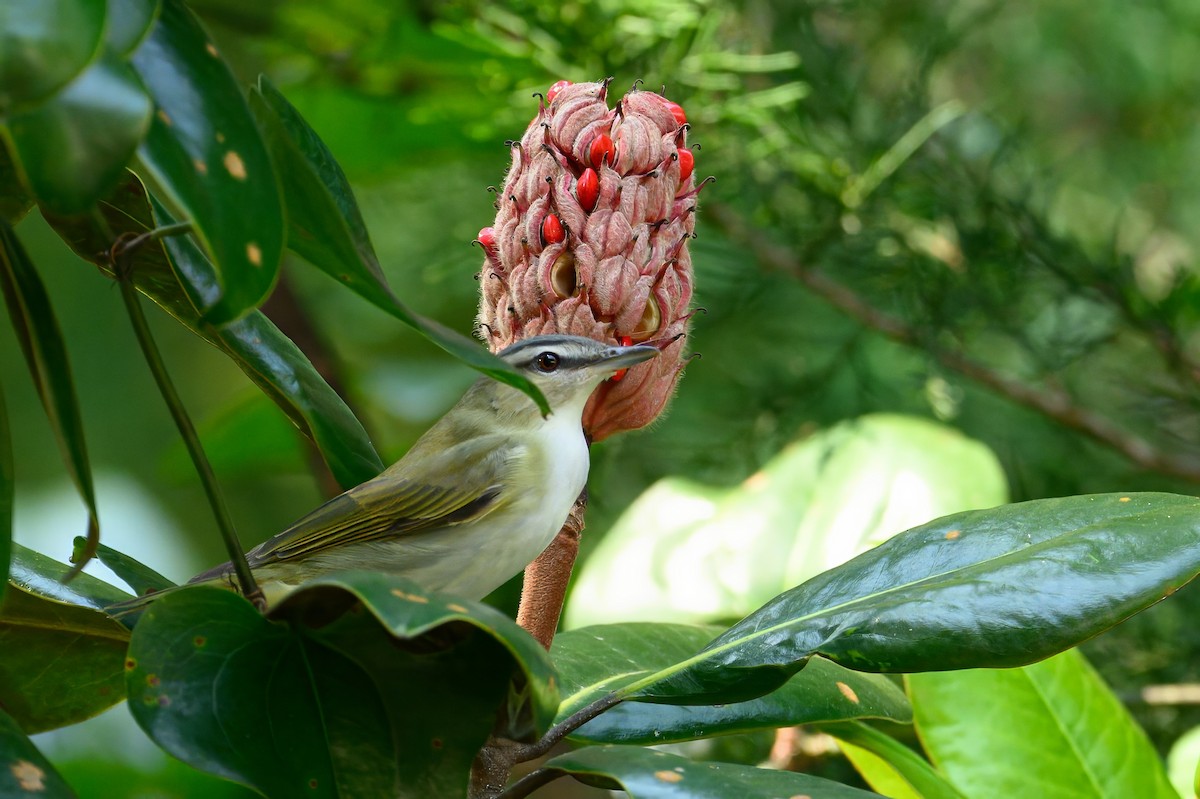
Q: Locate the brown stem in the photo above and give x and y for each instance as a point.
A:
(1051, 402)
(545, 586)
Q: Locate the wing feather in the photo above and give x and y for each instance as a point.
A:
(454, 486)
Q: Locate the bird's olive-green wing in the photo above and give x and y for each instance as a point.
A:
(458, 485)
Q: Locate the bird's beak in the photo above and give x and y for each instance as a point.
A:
(615, 358)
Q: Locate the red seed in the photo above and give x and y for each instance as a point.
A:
(552, 230)
(617, 375)
(677, 111)
(687, 162)
(553, 91)
(602, 150)
(487, 237)
(587, 189)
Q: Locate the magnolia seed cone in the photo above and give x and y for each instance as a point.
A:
(591, 239)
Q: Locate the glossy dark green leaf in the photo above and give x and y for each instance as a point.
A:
(325, 226)
(43, 621)
(993, 588)
(128, 23)
(73, 148)
(267, 357)
(371, 688)
(206, 153)
(137, 575)
(227, 691)
(46, 356)
(813, 506)
(888, 766)
(651, 774)
(409, 612)
(595, 661)
(43, 44)
(24, 771)
(15, 201)
(41, 576)
(1061, 729)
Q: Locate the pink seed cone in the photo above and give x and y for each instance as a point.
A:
(591, 239)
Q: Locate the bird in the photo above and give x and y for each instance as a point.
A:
(472, 503)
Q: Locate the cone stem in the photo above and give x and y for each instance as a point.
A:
(545, 586)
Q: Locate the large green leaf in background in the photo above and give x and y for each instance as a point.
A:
(46, 356)
(373, 687)
(43, 44)
(205, 151)
(651, 774)
(981, 589)
(595, 661)
(326, 227)
(44, 621)
(23, 769)
(685, 551)
(73, 148)
(1057, 719)
(267, 357)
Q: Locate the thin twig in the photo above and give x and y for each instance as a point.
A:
(495, 762)
(529, 783)
(122, 268)
(1053, 403)
(559, 731)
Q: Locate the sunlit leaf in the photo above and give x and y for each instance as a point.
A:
(595, 661)
(685, 551)
(374, 688)
(1058, 719)
(43, 44)
(205, 151)
(651, 774)
(24, 771)
(325, 227)
(267, 357)
(995, 588)
(1183, 763)
(46, 356)
(889, 766)
(73, 148)
(44, 622)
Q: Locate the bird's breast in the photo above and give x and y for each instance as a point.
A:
(565, 457)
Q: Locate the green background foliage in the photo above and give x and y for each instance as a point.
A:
(1004, 190)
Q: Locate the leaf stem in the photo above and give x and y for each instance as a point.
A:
(119, 257)
(529, 783)
(568, 725)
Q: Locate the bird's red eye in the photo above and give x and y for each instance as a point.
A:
(546, 362)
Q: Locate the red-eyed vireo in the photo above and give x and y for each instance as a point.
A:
(475, 500)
